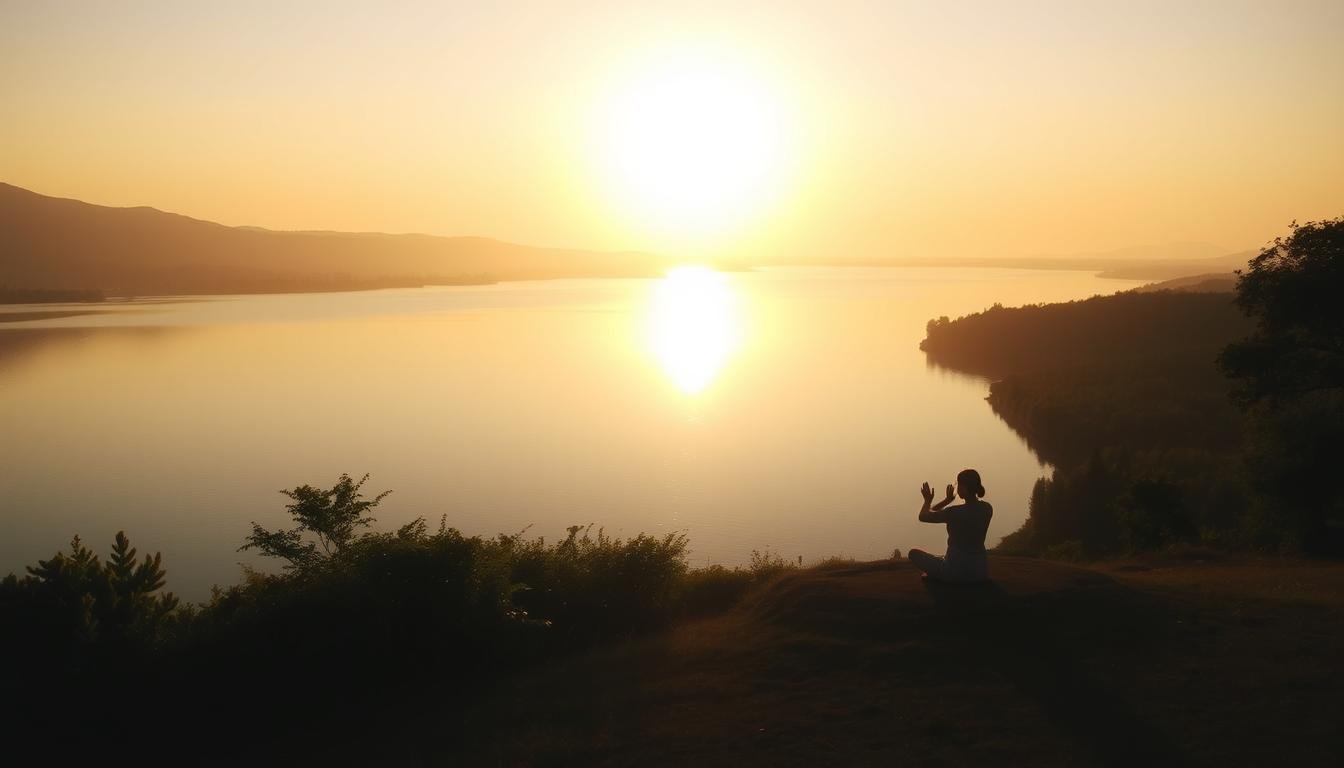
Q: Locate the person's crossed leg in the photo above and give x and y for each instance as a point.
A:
(931, 565)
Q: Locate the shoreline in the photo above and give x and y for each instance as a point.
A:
(111, 298)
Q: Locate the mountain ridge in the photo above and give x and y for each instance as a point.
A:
(62, 243)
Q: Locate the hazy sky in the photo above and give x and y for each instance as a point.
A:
(872, 129)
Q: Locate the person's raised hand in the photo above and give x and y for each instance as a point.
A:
(926, 492)
(951, 493)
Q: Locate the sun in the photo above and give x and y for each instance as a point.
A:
(693, 144)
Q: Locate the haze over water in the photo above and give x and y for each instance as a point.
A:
(785, 408)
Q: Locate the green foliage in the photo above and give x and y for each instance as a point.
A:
(767, 565)
(1100, 331)
(1152, 514)
(1136, 419)
(591, 586)
(714, 589)
(354, 614)
(1292, 290)
(1290, 449)
(73, 607)
(1149, 403)
(331, 517)
(1289, 378)
(1123, 501)
(357, 609)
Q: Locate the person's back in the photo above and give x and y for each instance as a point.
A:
(967, 525)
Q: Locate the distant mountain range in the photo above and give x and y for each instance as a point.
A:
(1167, 262)
(57, 244)
(54, 247)
(1104, 264)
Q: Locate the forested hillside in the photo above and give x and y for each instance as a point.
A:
(1122, 394)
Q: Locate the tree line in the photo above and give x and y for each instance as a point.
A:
(1176, 417)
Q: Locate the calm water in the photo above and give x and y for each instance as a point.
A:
(789, 409)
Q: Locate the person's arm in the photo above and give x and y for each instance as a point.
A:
(951, 496)
(934, 513)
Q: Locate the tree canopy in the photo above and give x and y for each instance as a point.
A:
(330, 516)
(1294, 289)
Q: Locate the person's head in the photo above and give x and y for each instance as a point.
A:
(969, 486)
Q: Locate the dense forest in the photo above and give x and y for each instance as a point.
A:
(1140, 400)
(1134, 369)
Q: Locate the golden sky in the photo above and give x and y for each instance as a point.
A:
(787, 129)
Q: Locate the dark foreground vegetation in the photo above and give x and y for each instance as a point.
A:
(1176, 418)
(421, 647)
(357, 626)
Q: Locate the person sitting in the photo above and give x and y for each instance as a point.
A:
(967, 523)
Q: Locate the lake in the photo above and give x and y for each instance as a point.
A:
(788, 409)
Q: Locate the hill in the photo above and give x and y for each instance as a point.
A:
(1214, 282)
(57, 244)
(1177, 260)
(1102, 330)
(1161, 662)
(1177, 268)
(1122, 395)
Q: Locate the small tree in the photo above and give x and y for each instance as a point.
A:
(86, 600)
(332, 518)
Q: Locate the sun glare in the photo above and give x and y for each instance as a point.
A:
(695, 326)
(694, 145)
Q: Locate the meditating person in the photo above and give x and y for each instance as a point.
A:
(967, 523)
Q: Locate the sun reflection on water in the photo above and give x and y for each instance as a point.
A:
(695, 326)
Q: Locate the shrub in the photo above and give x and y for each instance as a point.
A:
(74, 606)
(714, 589)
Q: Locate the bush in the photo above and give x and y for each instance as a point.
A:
(767, 565)
(714, 589)
(1153, 515)
(1123, 501)
(587, 587)
(73, 608)
(352, 614)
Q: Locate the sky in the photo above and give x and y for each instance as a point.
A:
(770, 129)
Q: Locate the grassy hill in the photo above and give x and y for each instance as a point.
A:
(1164, 661)
(57, 244)
(417, 648)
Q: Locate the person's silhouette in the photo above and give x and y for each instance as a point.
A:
(967, 523)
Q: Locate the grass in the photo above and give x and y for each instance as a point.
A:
(402, 651)
(1170, 659)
